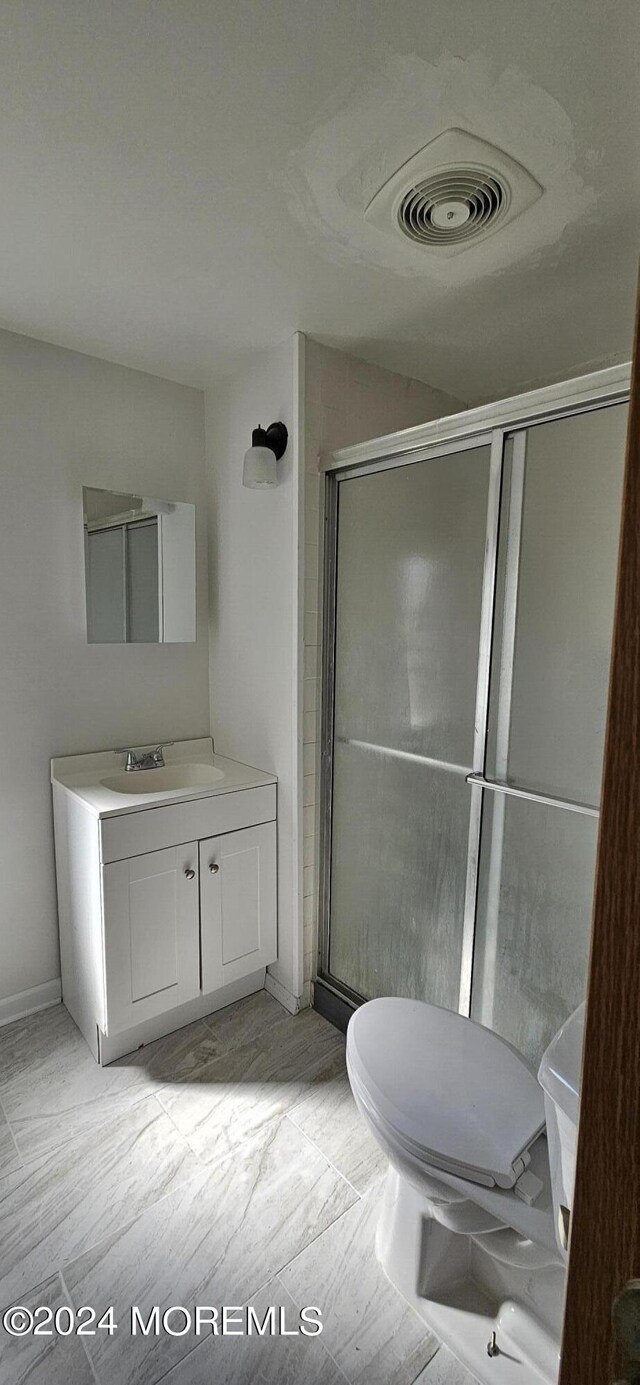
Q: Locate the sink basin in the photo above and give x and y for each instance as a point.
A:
(170, 778)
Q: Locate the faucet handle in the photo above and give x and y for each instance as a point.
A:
(156, 755)
(132, 758)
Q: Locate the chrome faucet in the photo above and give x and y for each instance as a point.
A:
(149, 759)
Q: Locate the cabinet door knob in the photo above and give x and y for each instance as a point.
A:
(190, 874)
(214, 867)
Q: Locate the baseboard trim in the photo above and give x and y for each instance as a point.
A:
(292, 1003)
(17, 1007)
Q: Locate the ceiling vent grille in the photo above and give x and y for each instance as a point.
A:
(456, 191)
(452, 206)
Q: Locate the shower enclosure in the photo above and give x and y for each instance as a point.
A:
(469, 595)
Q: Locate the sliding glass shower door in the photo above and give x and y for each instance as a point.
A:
(410, 563)
(550, 670)
(470, 610)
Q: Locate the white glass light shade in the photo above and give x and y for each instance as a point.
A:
(260, 468)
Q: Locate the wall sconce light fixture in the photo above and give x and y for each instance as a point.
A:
(268, 445)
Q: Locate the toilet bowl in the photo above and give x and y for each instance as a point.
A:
(472, 1227)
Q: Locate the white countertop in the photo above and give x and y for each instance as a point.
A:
(82, 775)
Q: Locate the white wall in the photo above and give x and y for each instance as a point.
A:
(69, 420)
(346, 401)
(255, 610)
(264, 575)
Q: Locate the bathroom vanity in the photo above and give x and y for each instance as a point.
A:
(166, 890)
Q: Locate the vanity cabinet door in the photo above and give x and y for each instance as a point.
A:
(151, 934)
(238, 904)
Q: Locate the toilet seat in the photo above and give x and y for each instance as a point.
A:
(453, 1094)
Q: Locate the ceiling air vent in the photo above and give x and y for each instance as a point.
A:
(452, 207)
(454, 192)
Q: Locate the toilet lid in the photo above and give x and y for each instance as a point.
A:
(451, 1090)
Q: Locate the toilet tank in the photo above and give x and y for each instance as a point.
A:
(559, 1077)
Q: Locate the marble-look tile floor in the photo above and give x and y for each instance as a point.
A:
(223, 1165)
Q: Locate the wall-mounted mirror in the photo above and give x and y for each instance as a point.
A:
(140, 568)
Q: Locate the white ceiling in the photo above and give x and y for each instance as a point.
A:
(174, 176)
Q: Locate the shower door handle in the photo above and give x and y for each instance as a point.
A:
(550, 800)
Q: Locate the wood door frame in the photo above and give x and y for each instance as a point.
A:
(605, 1234)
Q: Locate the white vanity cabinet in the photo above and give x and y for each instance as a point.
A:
(167, 902)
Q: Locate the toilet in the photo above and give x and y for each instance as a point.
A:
(474, 1217)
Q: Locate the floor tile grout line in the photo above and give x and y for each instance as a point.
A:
(210, 1166)
(314, 1065)
(155, 1085)
(155, 1089)
(253, 1295)
(180, 1362)
(204, 1169)
(126, 1226)
(245, 1304)
(62, 1265)
(425, 1367)
(205, 1165)
(208, 1171)
(30, 1164)
(361, 1198)
(276, 1118)
(342, 1373)
(289, 1117)
(275, 1273)
(427, 1331)
(91, 1129)
(307, 1096)
(185, 1138)
(85, 1348)
(13, 1139)
(315, 1238)
(211, 1059)
(307, 1072)
(126, 1103)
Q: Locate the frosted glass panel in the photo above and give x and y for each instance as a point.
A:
(568, 559)
(535, 895)
(410, 561)
(410, 564)
(398, 876)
